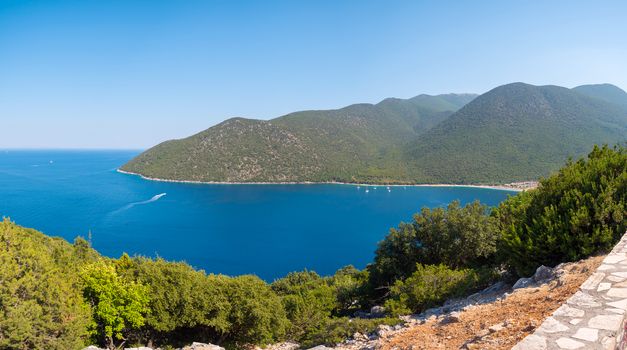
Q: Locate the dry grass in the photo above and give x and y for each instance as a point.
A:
(520, 313)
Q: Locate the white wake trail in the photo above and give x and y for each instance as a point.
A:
(129, 206)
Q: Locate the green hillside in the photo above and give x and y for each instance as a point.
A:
(512, 133)
(606, 92)
(515, 132)
(361, 142)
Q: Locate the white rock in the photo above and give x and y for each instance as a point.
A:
(604, 286)
(531, 342)
(616, 311)
(382, 330)
(615, 279)
(551, 325)
(202, 346)
(567, 343)
(617, 292)
(608, 342)
(614, 258)
(621, 304)
(497, 327)
(607, 322)
(589, 334)
(593, 281)
(583, 300)
(568, 311)
(620, 284)
(606, 267)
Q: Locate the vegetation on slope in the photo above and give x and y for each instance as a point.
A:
(606, 92)
(361, 142)
(577, 212)
(515, 132)
(55, 295)
(41, 306)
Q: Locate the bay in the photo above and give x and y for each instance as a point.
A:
(267, 230)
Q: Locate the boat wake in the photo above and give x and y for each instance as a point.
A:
(130, 205)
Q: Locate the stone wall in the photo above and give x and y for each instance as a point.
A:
(594, 317)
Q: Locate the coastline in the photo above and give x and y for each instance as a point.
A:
(507, 187)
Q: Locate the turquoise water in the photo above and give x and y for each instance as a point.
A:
(268, 230)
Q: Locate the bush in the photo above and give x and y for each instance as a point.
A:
(118, 305)
(339, 329)
(456, 237)
(41, 306)
(184, 302)
(431, 285)
(350, 289)
(579, 211)
(256, 315)
(308, 302)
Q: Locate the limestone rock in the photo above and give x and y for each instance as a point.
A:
(453, 317)
(383, 330)
(531, 342)
(567, 343)
(202, 346)
(543, 274)
(377, 311)
(523, 283)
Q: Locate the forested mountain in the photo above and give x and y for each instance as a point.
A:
(606, 92)
(361, 142)
(513, 132)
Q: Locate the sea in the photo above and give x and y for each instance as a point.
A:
(266, 230)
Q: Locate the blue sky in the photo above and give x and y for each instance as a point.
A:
(130, 74)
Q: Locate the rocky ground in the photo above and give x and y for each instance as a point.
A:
(193, 346)
(496, 318)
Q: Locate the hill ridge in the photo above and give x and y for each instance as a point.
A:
(514, 132)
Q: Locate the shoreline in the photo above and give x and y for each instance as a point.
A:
(491, 187)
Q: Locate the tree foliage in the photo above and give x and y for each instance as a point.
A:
(431, 285)
(40, 303)
(308, 301)
(579, 211)
(118, 305)
(455, 236)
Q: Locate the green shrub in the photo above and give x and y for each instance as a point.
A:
(118, 305)
(431, 285)
(184, 302)
(350, 289)
(579, 211)
(256, 315)
(338, 329)
(308, 301)
(456, 237)
(41, 306)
